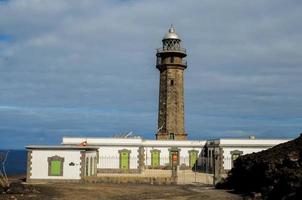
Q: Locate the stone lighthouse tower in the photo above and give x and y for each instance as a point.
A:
(171, 64)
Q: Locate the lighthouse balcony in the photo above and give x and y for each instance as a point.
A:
(172, 50)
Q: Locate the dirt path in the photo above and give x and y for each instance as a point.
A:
(67, 191)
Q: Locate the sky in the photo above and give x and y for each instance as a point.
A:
(87, 68)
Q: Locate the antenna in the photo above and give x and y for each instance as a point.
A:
(130, 133)
(161, 127)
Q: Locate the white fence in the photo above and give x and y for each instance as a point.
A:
(113, 162)
(186, 173)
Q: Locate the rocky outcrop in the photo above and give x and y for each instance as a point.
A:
(275, 173)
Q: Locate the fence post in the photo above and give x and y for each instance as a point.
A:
(175, 158)
(196, 162)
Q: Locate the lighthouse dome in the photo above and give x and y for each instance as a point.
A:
(171, 34)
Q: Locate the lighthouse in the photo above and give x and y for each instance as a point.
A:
(171, 63)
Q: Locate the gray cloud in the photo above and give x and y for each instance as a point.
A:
(87, 67)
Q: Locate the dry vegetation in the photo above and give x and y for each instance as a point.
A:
(4, 182)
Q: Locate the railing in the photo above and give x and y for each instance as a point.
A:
(184, 61)
(162, 50)
(113, 162)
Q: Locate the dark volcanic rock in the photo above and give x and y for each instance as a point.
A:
(16, 188)
(1, 190)
(276, 173)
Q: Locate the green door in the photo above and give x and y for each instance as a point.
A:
(193, 158)
(55, 168)
(155, 159)
(124, 160)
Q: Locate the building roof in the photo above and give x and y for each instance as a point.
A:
(246, 142)
(61, 147)
(177, 143)
(101, 141)
(131, 142)
(226, 142)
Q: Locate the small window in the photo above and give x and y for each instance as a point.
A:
(172, 82)
(171, 136)
(172, 59)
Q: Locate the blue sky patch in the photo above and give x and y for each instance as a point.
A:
(5, 38)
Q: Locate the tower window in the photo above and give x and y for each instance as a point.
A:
(172, 82)
(171, 136)
(172, 59)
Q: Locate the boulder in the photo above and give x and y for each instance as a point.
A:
(275, 173)
(2, 190)
(16, 188)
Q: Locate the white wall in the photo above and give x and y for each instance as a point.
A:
(39, 164)
(246, 150)
(251, 142)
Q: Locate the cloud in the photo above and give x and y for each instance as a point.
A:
(87, 67)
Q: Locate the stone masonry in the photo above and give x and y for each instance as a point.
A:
(171, 64)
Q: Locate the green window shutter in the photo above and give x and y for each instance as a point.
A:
(124, 160)
(55, 168)
(155, 159)
(193, 158)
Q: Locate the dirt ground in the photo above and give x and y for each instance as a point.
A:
(92, 191)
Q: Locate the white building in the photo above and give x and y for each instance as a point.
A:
(73, 162)
(57, 163)
(131, 155)
(218, 155)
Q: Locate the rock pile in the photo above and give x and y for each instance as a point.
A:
(274, 174)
